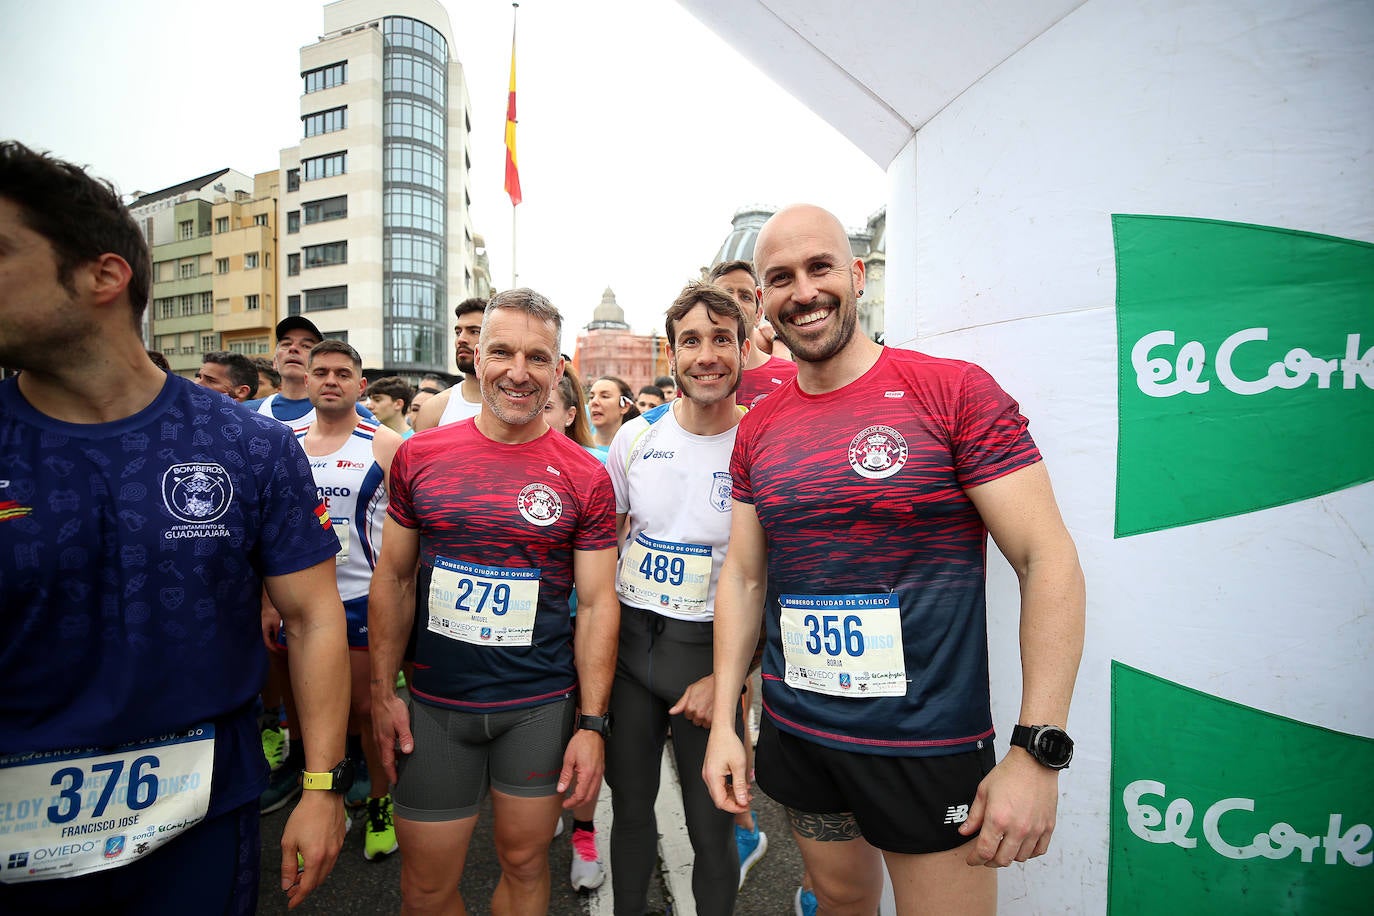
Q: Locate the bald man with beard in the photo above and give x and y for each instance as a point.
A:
(863, 497)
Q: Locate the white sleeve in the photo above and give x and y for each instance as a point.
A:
(618, 459)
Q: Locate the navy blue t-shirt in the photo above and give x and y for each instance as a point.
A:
(132, 556)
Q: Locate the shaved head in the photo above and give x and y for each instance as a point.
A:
(799, 219)
(810, 281)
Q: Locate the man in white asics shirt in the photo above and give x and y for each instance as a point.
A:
(670, 471)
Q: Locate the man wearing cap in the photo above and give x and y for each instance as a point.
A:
(295, 336)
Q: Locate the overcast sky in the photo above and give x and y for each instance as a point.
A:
(641, 132)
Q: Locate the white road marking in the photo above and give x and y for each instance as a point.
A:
(674, 846)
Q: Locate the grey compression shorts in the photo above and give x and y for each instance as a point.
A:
(458, 755)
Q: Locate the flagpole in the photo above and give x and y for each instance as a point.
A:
(511, 163)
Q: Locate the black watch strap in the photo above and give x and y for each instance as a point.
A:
(599, 724)
(1050, 745)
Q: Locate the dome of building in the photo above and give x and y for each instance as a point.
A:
(608, 314)
(739, 244)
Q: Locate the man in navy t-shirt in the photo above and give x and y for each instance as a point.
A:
(140, 516)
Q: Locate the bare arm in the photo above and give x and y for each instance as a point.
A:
(432, 411)
(385, 442)
(313, 617)
(390, 617)
(740, 596)
(1015, 805)
(598, 637)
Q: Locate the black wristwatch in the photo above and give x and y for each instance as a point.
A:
(599, 724)
(1050, 745)
(338, 779)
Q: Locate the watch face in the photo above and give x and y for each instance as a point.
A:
(343, 775)
(1053, 747)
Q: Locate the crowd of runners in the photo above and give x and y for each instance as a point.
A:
(391, 604)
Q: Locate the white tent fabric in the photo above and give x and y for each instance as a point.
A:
(1012, 131)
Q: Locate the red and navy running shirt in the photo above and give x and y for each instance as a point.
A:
(757, 384)
(861, 492)
(491, 505)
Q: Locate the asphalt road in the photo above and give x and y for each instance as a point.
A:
(357, 886)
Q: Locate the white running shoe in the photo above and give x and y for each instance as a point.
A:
(587, 872)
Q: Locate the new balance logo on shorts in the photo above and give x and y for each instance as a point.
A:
(956, 814)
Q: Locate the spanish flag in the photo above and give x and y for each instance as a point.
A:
(512, 169)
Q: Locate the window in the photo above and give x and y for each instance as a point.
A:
(326, 254)
(325, 122)
(250, 302)
(260, 219)
(326, 77)
(207, 304)
(321, 211)
(221, 265)
(293, 221)
(293, 265)
(250, 261)
(293, 179)
(163, 307)
(187, 229)
(188, 269)
(326, 297)
(293, 305)
(186, 305)
(326, 166)
(207, 343)
(222, 306)
(221, 224)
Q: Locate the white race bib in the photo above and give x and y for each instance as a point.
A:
(844, 645)
(340, 526)
(483, 605)
(76, 811)
(665, 574)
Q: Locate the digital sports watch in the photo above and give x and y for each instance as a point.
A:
(336, 780)
(1050, 745)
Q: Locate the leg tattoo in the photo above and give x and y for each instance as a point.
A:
(826, 828)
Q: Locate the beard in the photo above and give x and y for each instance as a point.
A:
(818, 350)
(492, 395)
(464, 362)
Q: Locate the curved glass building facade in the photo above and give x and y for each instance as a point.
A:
(414, 172)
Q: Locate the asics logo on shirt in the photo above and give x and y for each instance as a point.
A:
(656, 453)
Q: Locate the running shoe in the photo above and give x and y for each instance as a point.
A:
(274, 746)
(587, 872)
(752, 844)
(380, 838)
(357, 794)
(282, 787)
(804, 904)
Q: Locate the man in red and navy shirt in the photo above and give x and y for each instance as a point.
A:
(503, 516)
(864, 492)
